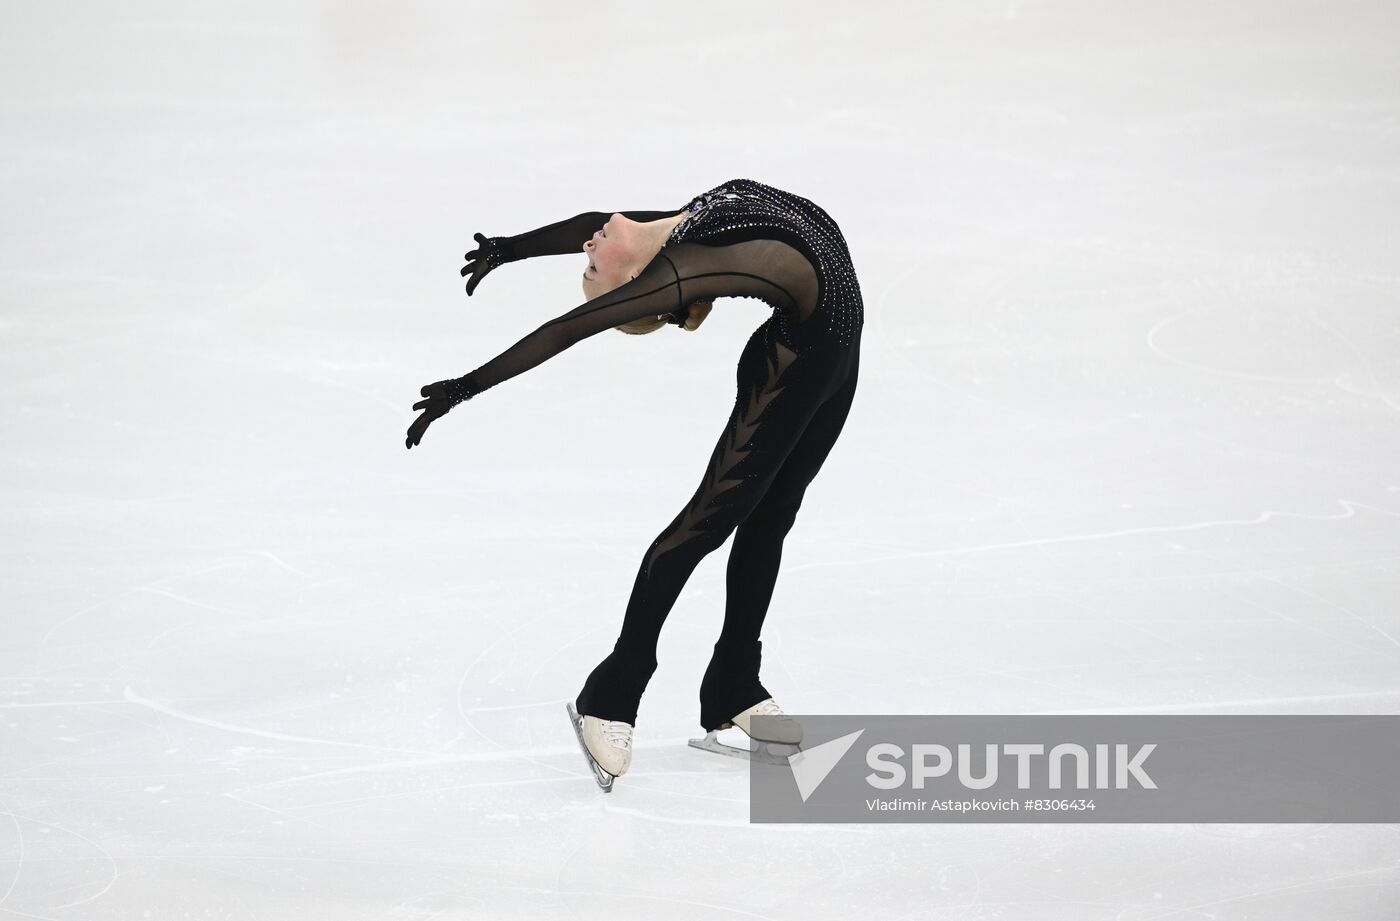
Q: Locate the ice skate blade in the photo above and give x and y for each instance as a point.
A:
(605, 780)
(776, 753)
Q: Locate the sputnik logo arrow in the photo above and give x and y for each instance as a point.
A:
(811, 765)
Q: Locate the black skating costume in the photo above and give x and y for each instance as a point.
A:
(796, 379)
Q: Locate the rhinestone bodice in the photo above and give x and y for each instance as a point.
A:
(748, 209)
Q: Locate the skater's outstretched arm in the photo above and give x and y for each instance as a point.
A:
(682, 274)
(679, 275)
(566, 236)
(569, 235)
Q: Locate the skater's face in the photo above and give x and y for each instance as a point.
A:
(612, 256)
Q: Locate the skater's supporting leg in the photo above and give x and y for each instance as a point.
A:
(731, 683)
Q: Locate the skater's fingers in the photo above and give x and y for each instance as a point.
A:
(419, 426)
(421, 403)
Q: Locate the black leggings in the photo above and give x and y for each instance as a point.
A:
(795, 387)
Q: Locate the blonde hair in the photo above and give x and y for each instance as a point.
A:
(643, 326)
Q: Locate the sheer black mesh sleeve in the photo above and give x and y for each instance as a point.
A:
(681, 274)
(568, 235)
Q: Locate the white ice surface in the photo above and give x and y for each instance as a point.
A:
(1126, 440)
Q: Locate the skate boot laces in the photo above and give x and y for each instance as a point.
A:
(618, 734)
(785, 729)
(769, 708)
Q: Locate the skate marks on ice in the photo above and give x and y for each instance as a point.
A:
(1349, 511)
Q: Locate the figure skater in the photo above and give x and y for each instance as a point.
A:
(796, 379)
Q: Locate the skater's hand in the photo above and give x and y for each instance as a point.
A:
(441, 397)
(490, 252)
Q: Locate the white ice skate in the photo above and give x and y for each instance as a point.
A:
(782, 740)
(607, 744)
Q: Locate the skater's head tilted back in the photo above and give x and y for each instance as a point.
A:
(617, 253)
